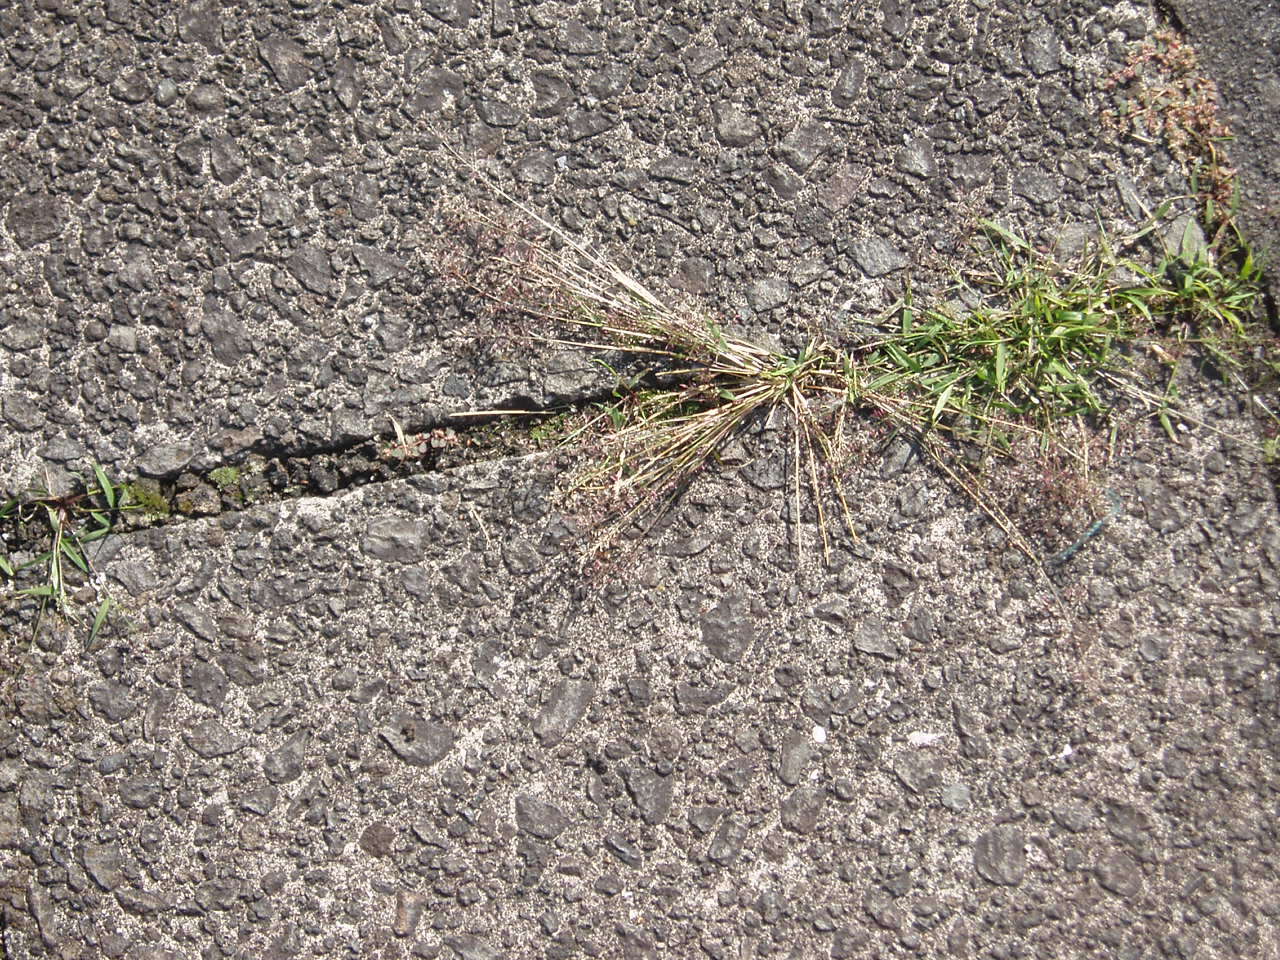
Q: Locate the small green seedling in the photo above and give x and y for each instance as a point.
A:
(60, 527)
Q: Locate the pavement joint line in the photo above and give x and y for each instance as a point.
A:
(284, 475)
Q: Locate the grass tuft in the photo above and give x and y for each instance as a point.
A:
(60, 528)
(1043, 352)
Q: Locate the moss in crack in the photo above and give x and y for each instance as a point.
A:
(150, 499)
(231, 484)
(225, 478)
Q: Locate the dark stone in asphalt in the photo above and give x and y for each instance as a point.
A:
(310, 267)
(35, 218)
(1043, 51)
(1073, 815)
(803, 145)
(650, 791)
(918, 771)
(468, 947)
(735, 126)
(1036, 185)
(1120, 874)
(539, 818)
(141, 903)
(916, 158)
(284, 764)
(768, 294)
(113, 702)
(200, 22)
(378, 265)
(727, 843)
(140, 792)
(209, 738)
(378, 840)
(797, 751)
(227, 159)
(1000, 857)
(727, 629)
(348, 84)
(204, 683)
(11, 833)
(417, 741)
(392, 538)
(537, 168)
(870, 637)
(165, 460)
(205, 98)
(876, 257)
(565, 706)
(802, 808)
(848, 86)
(287, 61)
(104, 864)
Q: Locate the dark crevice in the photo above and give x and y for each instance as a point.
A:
(1167, 14)
(517, 412)
(268, 472)
(1269, 304)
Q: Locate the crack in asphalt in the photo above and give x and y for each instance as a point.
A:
(265, 473)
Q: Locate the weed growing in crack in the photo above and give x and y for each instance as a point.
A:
(410, 447)
(1025, 357)
(1162, 95)
(1040, 356)
(51, 533)
(1165, 96)
(701, 385)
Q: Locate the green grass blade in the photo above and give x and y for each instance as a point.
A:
(1005, 234)
(100, 618)
(97, 533)
(941, 404)
(104, 487)
(74, 555)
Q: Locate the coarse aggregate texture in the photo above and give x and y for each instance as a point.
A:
(400, 719)
(397, 721)
(223, 221)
